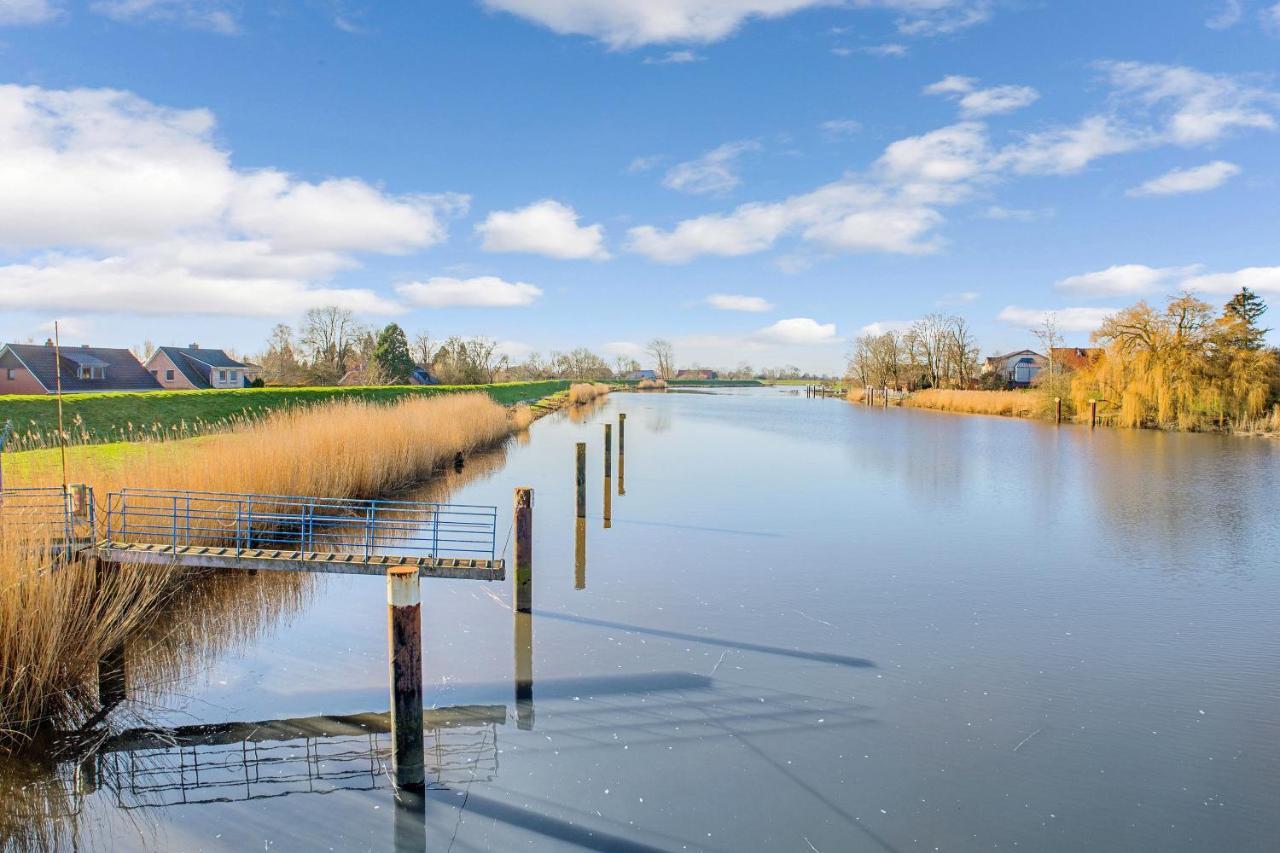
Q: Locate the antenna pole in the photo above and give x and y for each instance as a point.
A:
(57, 372)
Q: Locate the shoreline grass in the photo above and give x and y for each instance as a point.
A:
(174, 415)
(54, 626)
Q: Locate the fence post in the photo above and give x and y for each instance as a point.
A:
(581, 475)
(404, 634)
(886, 396)
(524, 549)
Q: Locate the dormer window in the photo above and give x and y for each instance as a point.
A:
(93, 372)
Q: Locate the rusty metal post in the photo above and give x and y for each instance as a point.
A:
(523, 575)
(580, 554)
(581, 478)
(404, 634)
(524, 670)
(1093, 413)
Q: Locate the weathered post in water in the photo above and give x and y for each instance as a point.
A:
(622, 449)
(886, 396)
(524, 549)
(404, 634)
(580, 554)
(524, 671)
(1093, 413)
(608, 450)
(581, 479)
(1058, 402)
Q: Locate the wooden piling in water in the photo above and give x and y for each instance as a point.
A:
(523, 575)
(608, 450)
(404, 636)
(1093, 413)
(886, 396)
(524, 670)
(622, 447)
(581, 479)
(580, 554)
(1058, 403)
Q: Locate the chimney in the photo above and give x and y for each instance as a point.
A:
(194, 346)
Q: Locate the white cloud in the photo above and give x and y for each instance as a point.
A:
(1067, 319)
(20, 12)
(738, 302)
(1123, 280)
(975, 102)
(943, 156)
(674, 57)
(1265, 280)
(1271, 19)
(897, 51)
(879, 327)
(214, 15)
(1194, 180)
(840, 127)
(795, 331)
(624, 348)
(154, 283)
(1064, 150)
(1193, 107)
(545, 227)
(713, 172)
(1227, 16)
(133, 199)
(644, 163)
(1016, 214)
(964, 297)
(624, 24)
(480, 292)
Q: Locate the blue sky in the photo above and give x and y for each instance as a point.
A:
(755, 180)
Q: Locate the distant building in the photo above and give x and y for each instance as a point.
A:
(1016, 368)
(35, 369)
(185, 368)
(697, 373)
(359, 376)
(1074, 358)
(640, 375)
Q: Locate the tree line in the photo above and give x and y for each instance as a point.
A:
(936, 351)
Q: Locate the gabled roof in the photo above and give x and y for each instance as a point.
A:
(1009, 355)
(123, 371)
(197, 364)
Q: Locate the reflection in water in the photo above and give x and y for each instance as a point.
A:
(608, 503)
(580, 554)
(523, 635)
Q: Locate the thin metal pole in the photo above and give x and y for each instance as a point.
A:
(57, 373)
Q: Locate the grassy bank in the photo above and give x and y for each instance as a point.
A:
(54, 626)
(162, 415)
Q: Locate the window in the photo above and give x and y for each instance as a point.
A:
(11, 374)
(168, 376)
(222, 376)
(93, 372)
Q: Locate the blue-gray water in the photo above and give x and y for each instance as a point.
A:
(812, 626)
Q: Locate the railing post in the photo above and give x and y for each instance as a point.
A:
(174, 523)
(239, 527)
(524, 549)
(249, 527)
(404, 628)
(435, 530)
(368, 531)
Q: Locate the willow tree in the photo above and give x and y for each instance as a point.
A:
(1185, 366)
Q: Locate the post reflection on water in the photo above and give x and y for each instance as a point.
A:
(810, 626)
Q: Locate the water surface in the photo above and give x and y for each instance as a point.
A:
(810, 626)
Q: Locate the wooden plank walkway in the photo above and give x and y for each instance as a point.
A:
(196, 556)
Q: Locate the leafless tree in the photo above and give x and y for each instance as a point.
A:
(1050, 338)
(663, 355)
(329, 336)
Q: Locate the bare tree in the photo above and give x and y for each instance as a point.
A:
(962, 352)
(624, 364)
(663, 357)
(423, 348)
(1050, 338)
(927, 340)
(329, 336)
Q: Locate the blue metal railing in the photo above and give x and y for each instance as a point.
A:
(52, 516)
(245, 522)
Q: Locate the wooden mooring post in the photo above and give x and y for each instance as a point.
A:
(885, 391)
(581, 478)
(404, 635)
(622, 450)
(1058, 403)
(608, 475)
(524, 670)
(1093, 413)
(523, 575)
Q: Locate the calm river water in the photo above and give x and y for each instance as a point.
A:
(812, 626)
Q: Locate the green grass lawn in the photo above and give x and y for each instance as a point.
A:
(112, 418)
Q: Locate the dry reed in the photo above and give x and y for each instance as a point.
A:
(585, 392)
(651, 385)
(1018, 404)
(54, 625)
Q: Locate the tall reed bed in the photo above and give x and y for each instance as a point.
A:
(585, 392)
(1017, 404)
(651, 385)
(55, 624)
